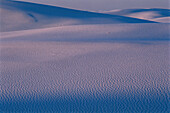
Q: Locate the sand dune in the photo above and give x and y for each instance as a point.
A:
(86, 68)
(155, 14)
(92, 33)
(22, 15)
(55, 59)
(84, 77)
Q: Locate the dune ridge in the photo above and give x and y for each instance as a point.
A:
(152, 14)
(23, 15)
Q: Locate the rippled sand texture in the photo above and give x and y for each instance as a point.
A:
(41, 73)
(54, 59)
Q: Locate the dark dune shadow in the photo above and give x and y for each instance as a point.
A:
(33, 17)
(151, 102)
(59, 12)
(86, 40)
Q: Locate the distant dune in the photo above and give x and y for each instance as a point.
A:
(22, 15)
(153, 14)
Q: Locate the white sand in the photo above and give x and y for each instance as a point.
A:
(85, 68)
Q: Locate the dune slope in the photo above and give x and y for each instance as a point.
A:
(86, 68)
(55, 59)
(153, 14)
(22, 15)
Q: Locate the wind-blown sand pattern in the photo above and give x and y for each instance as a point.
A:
(86, 68)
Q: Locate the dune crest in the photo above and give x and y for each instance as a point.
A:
(24, 15)
(152, 14)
